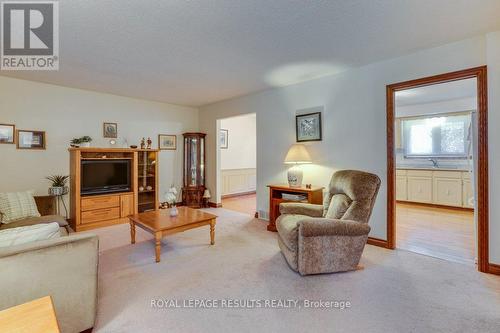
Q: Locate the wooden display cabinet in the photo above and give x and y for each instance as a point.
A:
(194, 169)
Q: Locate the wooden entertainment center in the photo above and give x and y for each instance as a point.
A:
(99, 210)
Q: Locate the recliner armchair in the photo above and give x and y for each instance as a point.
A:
(331, 237)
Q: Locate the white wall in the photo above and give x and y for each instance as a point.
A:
(493, 61)
(65, 113)
(242, 151)
(354, 121)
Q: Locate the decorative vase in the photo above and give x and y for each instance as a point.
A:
(174, 211)
(85, 144)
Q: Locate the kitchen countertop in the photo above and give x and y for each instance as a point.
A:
(429, 168)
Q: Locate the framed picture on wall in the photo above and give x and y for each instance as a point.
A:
(110, 130)
(27, 139)
(308, 127)
(7, 132)
(224, 134)
(167, 142)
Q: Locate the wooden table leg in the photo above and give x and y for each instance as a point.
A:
(132, 232)
(158, 245)
(212, 232)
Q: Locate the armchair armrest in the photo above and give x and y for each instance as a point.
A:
(301, 209)
(332, 227)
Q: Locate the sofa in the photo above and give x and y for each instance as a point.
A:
(64, 268)
(331, 237)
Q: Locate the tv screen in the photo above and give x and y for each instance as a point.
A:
(105, 176)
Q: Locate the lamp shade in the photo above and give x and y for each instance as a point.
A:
(206, 194)
(297, 154)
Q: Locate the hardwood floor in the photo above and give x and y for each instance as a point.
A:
(438, 232)
(244, 203)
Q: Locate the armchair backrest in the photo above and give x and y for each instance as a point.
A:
(352, 195)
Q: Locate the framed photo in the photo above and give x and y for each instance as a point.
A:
(110, 130)
(224, 136)
(7, 132)
(167, 142)
(30, 139)
(308, 127)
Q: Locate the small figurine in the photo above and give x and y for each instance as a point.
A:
(150, 142)
(308, 186)
(143, 143)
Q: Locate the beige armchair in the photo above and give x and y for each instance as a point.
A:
(325, 239)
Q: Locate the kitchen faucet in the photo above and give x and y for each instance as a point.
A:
(434, 162)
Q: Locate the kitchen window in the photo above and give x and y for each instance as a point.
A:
(436, 136)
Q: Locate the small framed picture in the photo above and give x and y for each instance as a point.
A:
(110, 130)
(224, 137)
(308, 127)
(30, 139)
(7, 132)
(167, 142)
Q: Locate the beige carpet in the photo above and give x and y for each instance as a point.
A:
(398, 291)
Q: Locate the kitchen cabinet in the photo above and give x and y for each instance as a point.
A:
(439, 187)
(419, 189)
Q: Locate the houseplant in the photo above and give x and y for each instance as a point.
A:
(58, 184)
(85, 141)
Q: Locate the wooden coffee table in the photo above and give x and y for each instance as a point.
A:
(160, 223)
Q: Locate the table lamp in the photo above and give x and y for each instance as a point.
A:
(297, 154)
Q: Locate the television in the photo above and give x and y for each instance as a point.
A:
(105, 176)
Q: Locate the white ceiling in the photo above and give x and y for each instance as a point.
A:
(198, 52)
(437, 92)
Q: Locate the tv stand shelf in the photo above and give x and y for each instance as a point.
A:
(99, 210)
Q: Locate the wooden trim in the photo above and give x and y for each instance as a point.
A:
(480, 73)
(214, 205)
(423, 204)
(494, 269)
(238, 194)
(378, 242)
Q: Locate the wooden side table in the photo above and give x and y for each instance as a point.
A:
(314, 196)
(37, 316)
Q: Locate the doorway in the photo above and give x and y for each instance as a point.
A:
(238, 163)
(443, 188)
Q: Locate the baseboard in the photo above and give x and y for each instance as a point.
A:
(238, 194)
(378, 242)
(423, 204)
(494, 269)
(214, 205)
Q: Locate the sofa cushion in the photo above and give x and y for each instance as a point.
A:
(28, 234)
(288, 229)
(16, 206)
(36, 220)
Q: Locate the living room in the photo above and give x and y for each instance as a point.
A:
(152, 247)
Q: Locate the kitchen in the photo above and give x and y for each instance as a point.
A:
(436, 149)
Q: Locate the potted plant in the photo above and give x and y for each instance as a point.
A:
(75, 142)
(171, 199)
(58, 184)
(85, 141)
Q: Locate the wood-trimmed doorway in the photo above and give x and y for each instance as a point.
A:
(480, 73)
